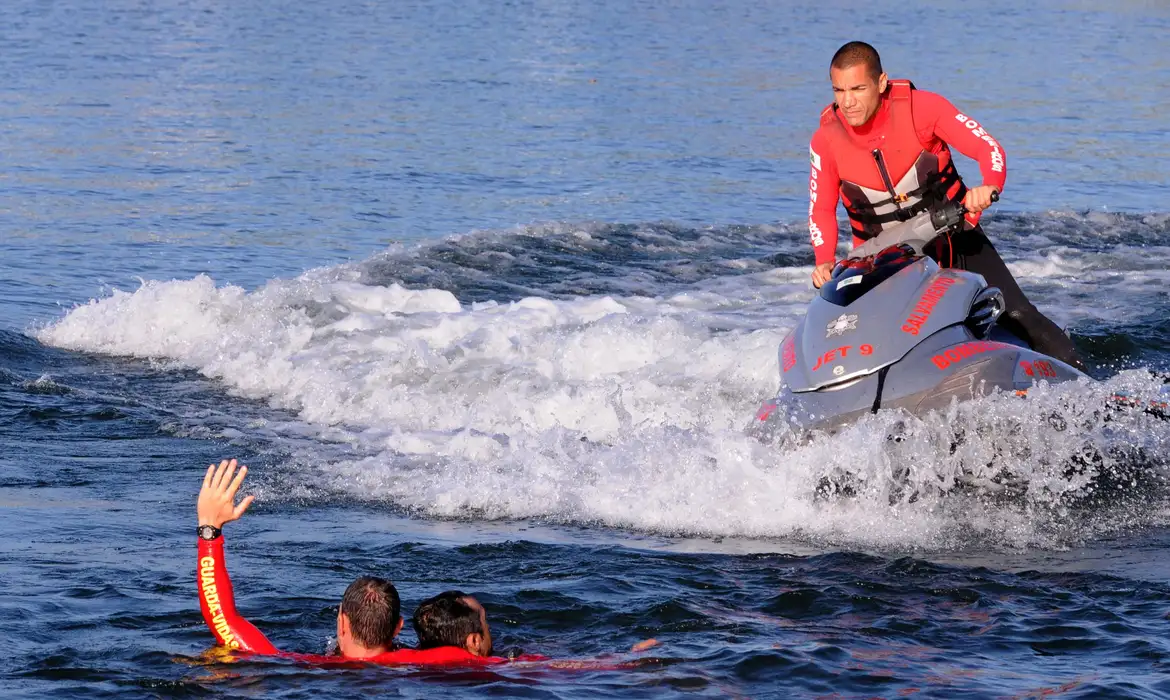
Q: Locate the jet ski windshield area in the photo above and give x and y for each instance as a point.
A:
(851, 279)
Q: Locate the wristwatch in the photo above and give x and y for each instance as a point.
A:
(208, 532)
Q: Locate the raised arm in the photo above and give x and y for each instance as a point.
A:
(216, 600)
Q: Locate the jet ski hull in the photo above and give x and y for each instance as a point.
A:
(952, 365)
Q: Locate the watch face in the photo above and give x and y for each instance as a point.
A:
(207, 532)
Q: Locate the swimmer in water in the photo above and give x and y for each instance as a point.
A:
(369, 620)
(452, 619)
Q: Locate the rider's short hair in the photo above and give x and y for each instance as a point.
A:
(858, 52)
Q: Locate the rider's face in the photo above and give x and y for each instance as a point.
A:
(857, 94)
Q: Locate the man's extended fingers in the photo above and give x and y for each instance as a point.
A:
(225, 483)
(208, 475)
(239, 510)
(218, 474)
(235, 485)
(224, 474)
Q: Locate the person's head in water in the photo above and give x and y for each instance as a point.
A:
(858, 82)
(369, 619)
(453, 619)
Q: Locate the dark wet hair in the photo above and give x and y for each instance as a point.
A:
(445, 621)
(374, 609)
(856, 52)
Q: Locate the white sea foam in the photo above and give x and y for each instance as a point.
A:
(623, 411)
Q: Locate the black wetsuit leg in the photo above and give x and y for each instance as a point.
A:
(972, 251)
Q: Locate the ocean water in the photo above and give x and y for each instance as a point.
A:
(486, 293)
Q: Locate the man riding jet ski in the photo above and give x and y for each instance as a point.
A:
(923, 312)
(883, 149)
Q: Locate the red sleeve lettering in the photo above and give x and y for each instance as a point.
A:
(823, 192)
(218, 604)
(964, 133)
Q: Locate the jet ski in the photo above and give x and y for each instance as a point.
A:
(891, 329)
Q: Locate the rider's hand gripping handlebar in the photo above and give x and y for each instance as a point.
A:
(918, 231)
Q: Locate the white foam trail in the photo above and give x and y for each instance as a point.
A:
(621, 411)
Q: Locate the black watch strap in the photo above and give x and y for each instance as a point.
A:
(208, 532)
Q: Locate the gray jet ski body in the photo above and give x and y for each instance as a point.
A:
(894, 330)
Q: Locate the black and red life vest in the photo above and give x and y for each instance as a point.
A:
(887, 185)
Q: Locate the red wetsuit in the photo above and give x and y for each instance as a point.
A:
(934, 124)
(231, 630)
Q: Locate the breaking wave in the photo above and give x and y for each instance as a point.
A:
(603, 375)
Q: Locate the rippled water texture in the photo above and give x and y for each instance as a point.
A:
(486, 293)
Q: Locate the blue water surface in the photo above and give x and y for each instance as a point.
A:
(652, 153)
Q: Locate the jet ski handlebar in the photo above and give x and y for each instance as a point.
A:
(918, 231)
